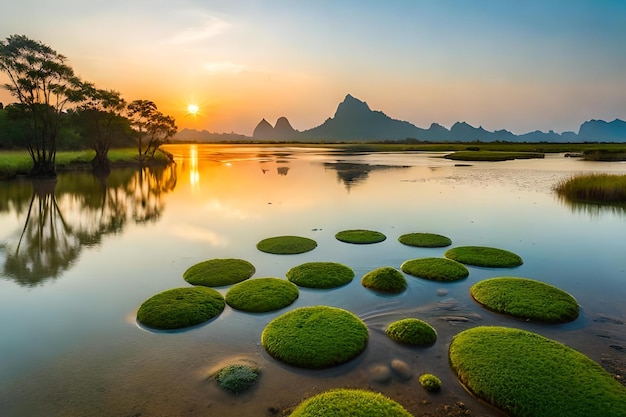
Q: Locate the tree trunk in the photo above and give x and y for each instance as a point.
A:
(100, 164)
(43, 168)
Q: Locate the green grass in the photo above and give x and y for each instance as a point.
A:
(260, 295)
(526, 299)
(219, 272)
(594, 188)
(435, 269)
(320, 275)
(385, 279)
(237, 378)
(526, 375)
(430, 382)
(411, 331)
(342, 402)
(315, 337)
(605, 155)
(180, 307)
(286, 245)
(484, 256)
(425, 240)
(493, 156)
(360, 236)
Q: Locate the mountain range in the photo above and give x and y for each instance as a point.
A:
(355, 121)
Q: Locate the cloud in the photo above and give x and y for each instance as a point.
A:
(198, 234)
(223, 67)
(210, 27)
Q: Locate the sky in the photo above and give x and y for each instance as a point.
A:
(501, 64)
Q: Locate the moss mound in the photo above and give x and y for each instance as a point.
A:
(180, 307)
(526, 299)
(484, 256)
(411, 331)
(430, 382)
(385, 279)
(435, 269)
(286, 245)
(219, 272)
(237, 378)
(526, 374)
(320, 275)
(315, 337)
(260, 295)
(360, 236)
(425, 240)
(350, 403)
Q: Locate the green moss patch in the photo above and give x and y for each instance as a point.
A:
(320, 275)
(435, 269)
(315, 337)
(484, 256)
(430, 382)
(180, 307)
(425, 240)
(260, 295)
(526, 374)
(219, 272)
(349, 403)
(385, 279)
(237, 378)
(411, 331)
(526, 299)
(286, 245)
(360, 236)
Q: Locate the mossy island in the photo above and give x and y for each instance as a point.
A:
(237, 378)
(411, 331)
(343, 402)
(180, 307)
(315, 337)
(321, 275)
(526, 374)
(430, 382)
(484, 256)
(594, 188)
(435, 269)
(425, 240)
(526, 299)
(385, 279)
(219, 272)
(261, 295)
(286, 245)
(360, 236)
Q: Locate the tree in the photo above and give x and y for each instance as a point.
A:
(44, 85)
(150, 124)
(100, 115)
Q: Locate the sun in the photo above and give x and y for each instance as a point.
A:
(193, 109)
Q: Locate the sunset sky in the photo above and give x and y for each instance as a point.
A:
(502, 64)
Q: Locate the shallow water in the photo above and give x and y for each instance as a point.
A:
(78, 257)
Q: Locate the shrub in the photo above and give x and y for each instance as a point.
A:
(430, 382)
(237, 378)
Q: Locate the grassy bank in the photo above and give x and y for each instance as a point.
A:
(594, 188)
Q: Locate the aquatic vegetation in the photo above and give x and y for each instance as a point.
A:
(435, 269)
(525, 298)
(237, 378)
(320, 275)
(526, 374)
(315, 337)
(411, 331)
(219, 272)
(425, 240)
(484, 256)
(286, 245)
(360, 236)
(492, 156)
(260, 295)
(430, 382)
(180, 307)
(385, 279)
(594, 188)
(343, 402)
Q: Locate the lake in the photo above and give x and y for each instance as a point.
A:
(80, 255)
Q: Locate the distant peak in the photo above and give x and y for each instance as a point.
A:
(351, 106)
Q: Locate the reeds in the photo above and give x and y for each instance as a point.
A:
(594, 188)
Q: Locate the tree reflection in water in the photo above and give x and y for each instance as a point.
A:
(77, 210)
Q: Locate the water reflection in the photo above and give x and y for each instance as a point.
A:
(352, 174)
(594, 210)
(77, 210)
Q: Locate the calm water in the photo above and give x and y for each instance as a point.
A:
(80, 255)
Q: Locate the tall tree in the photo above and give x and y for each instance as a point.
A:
(150, 124)
(44, 85)
(100, 115)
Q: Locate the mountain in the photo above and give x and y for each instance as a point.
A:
(264, 130)
(281, 131)
(601, 131)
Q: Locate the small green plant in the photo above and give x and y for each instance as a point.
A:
(411, 331)
(320, 275)
(425, 240)
(237, 378)
(360, 236)
(286, 245)
(430, 382)
(385, 279)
